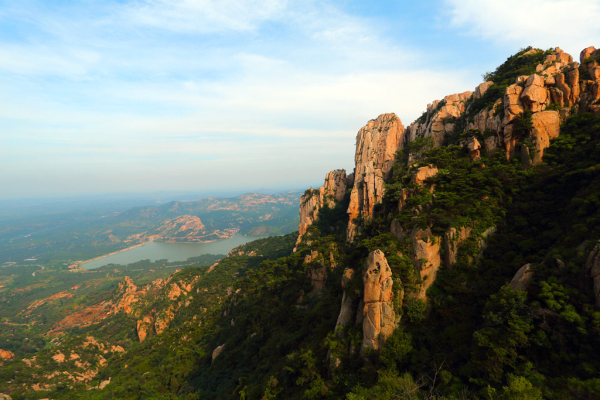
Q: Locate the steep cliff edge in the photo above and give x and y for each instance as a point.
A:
(376, 146)
(332, 192)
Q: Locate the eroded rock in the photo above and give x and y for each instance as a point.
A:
(218, 351)
(481, 89)
(332, 191)
(426, 248)
(144, 326)
(6, 355)
(453, 239)
(522, 278)
(535, 94)
(379, 315)
(546, 126)
(376, 146)
(423, 173)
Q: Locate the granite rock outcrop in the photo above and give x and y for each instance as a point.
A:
(376, 147)
(332, 192)
(379, 316)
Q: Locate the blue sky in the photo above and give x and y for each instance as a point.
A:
(134, 96)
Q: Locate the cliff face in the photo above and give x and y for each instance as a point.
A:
(332, 191)
(550, 95)
(376, 146)
(519, 115)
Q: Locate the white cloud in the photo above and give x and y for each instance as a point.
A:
(118, 100)
(569, 24)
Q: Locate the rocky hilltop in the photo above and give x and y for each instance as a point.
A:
(512, 115)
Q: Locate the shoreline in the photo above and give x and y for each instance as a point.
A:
(112, 254)
(81, 264)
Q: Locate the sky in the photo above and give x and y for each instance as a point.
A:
(204, 95)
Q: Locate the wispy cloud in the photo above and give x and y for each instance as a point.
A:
(218, 92)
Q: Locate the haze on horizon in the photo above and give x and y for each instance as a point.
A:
(205, 95)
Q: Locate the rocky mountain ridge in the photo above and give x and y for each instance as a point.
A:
(526, 115)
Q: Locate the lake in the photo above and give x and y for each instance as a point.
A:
(171, 251)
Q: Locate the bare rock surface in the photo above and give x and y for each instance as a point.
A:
(379, 316)
(426, 248)
(332, 191)
(376, 146)
(522, 278)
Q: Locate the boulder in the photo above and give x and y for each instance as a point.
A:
(561, 84)
(423, 173)
(379, 316)
(586, 53)
(481, 89)
(217, 351)
(103, 384)
(5, 397)
(436, 123)
(546, 126)
(535, 95)
(513, 107)
(163, 319)
(473, 146)
(522, 278)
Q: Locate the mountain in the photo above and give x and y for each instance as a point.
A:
(460, 259)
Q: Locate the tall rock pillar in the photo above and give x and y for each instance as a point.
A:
(376, 146)
(379, 316)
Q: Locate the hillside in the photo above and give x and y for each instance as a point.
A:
(460, 259)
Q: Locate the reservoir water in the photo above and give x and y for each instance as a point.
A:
(171, 251)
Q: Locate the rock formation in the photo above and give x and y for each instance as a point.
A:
(318, 277)
(376, 146)
(6, 355)
(379, 316)
(332, 191)
(346, 313)
(522, 278)
(144, 327)
(453, 239)
(436, 122)
(128, 293)
(426, 248)
(217, 351)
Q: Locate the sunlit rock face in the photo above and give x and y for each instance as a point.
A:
(379, 315)
(332, 191)
(376, 147)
